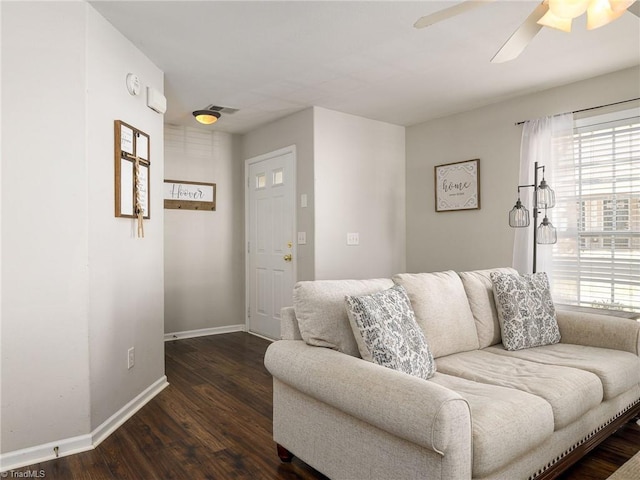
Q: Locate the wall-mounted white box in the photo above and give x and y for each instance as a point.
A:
(156, 101)
(353, 239)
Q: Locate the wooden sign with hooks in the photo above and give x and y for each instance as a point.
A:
(181, 194)
(132, 173)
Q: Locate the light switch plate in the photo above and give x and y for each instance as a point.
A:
(353, 239)
(302, 238)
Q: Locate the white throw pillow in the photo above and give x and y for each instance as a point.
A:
(525, 310)
(386, 331)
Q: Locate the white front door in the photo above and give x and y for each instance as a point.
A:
(270, 210)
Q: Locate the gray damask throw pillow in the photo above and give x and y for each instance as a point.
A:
(387, 333)
(525, 310)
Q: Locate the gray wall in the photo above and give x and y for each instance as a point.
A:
(296, 129)
(203, 251)
(352, 171)
(359, 188)
(465, 240)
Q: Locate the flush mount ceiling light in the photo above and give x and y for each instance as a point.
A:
(208, 115)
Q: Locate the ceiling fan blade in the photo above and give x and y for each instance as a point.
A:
(634, 8)
(522, 36)
(449, 12)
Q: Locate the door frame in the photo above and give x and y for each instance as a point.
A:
(294, 251)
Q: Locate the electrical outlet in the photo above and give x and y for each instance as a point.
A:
(131, 358)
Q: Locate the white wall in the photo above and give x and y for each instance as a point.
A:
(204, 251)
(126, 307)
(45, 271)
(359, 188)
(482, 238)
(295, 129)
(78, 288)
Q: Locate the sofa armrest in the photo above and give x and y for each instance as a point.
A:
(289, 329)
(417, 410)
(598, 330)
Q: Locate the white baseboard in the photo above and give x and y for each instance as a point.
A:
(203, 332)
(45, 452)
(129, 410)
(262, 336)
(81, 443)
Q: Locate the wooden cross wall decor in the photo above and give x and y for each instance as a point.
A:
(132, 174)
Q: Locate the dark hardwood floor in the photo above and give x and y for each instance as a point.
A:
(214, 422)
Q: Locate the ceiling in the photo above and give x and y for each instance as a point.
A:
(270, 59)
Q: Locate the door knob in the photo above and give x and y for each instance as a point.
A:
(287, 257)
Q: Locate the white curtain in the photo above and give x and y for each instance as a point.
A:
(544, 140)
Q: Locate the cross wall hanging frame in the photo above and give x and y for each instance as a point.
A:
(132, 173)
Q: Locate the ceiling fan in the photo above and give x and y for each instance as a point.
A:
(550, 13)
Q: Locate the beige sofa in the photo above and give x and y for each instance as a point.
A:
(487, 413)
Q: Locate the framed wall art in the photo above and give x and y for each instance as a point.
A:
(132, 165)
(185, 195)
(132, 176)
(457, 186)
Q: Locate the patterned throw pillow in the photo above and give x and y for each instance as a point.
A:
(525, 310)
(387, 333)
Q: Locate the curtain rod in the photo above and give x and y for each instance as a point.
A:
(592, 108)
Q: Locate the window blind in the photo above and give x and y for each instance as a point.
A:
(596, 261)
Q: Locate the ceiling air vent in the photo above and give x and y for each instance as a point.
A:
(225, 110)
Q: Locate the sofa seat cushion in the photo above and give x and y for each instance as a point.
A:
(442, 311)
(499, 416)
(571, 392)
(618, 371)
(479, 288)
(322, 316)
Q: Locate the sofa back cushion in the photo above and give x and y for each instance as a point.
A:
(477, 284)
(321, 313)
(442, 311)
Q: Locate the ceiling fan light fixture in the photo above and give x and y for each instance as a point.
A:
(620, 5)
(601, 13)
(550, 19)
(206, 116)
(568, 8)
